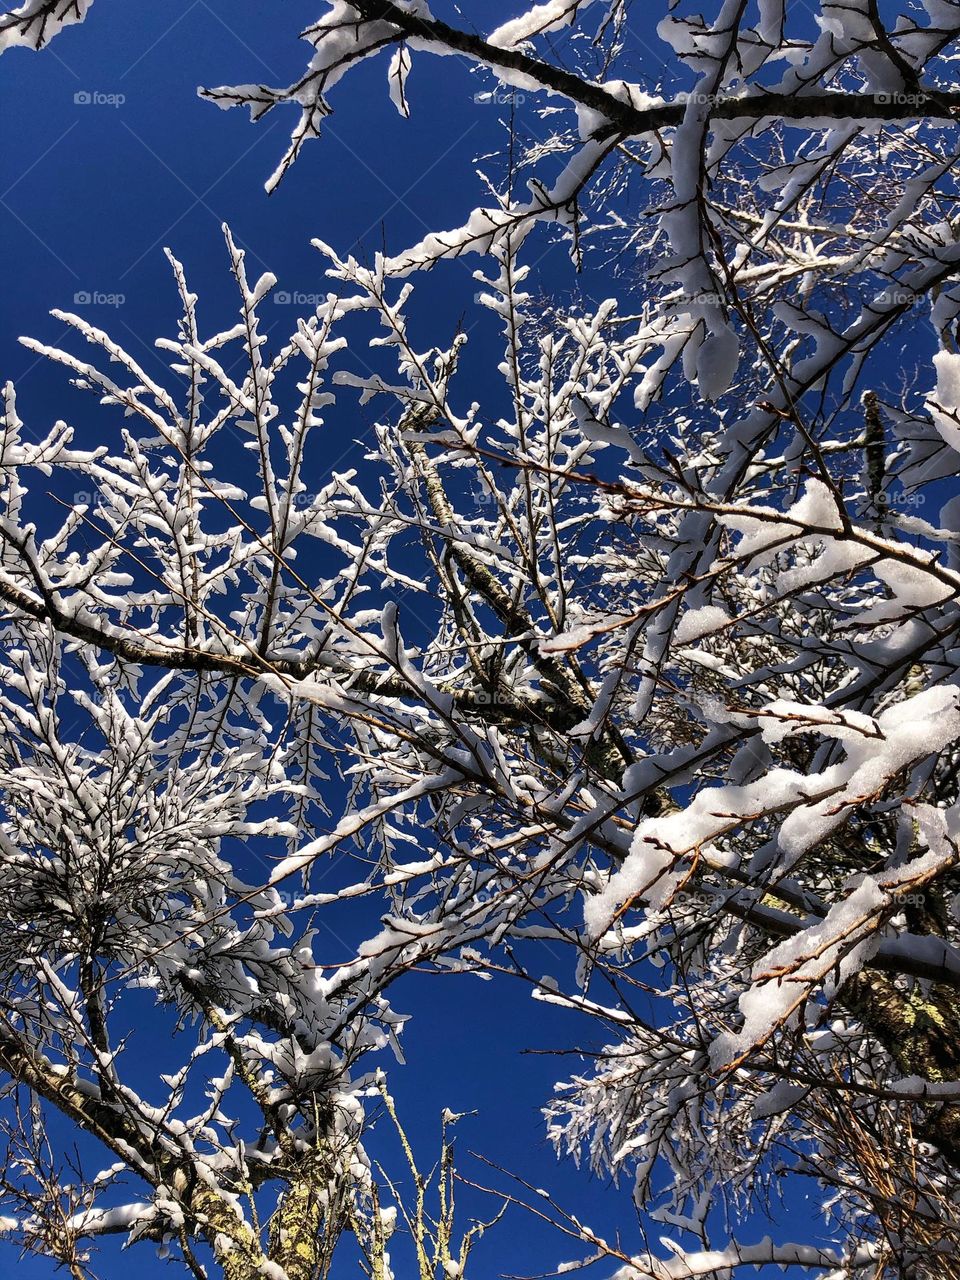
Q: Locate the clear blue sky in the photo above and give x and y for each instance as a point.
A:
(92, 189)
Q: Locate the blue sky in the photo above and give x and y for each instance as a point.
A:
(107, 156)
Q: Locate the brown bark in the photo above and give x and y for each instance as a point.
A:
(922, 1035)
